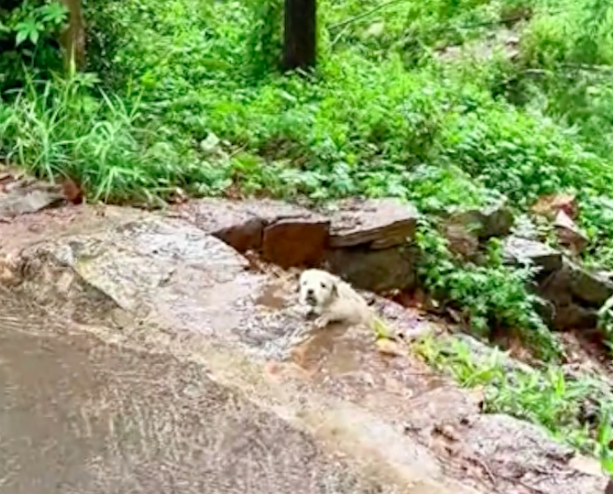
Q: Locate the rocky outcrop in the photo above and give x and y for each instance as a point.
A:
(370, 243)
(295, 242)
(495, 220)
(375, 270)
(364, 241)
(189, 294)
(284, 234)
(574, 293)
(569, 234)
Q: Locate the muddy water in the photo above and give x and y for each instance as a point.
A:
(80, 416)
(345, 361)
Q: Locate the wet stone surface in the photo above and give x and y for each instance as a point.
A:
(24, 195)
(376, 223)
(524, 251)
(389, 409)
(80, 416)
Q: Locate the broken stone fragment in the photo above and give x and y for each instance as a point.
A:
(573, 281)
(28, 200)
(550, 205)
(378, 223)
(569, 234)
(520, 250)
(576, 295)
(295, 242)
(230, 221)
(495, 220)
(574, 316)
(465, 229)
(462, 240)
(592, 287)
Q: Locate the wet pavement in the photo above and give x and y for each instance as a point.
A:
(81, 416)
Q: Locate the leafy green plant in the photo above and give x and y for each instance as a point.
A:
(28, 38)
(265, 37)
(489, 296)
(385, 114)
(542, 396)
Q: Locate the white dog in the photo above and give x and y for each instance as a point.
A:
(332, 300)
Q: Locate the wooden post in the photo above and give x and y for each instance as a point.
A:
(73, 38)
(300, 34)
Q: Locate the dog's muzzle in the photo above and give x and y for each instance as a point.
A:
(310, 298)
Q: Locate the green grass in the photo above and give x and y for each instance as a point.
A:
(545, 396)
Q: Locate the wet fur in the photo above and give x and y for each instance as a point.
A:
(331, 299)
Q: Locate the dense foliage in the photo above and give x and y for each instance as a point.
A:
(28, 39)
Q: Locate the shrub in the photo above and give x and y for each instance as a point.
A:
(28, 39)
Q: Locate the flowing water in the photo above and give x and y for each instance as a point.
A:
(81, 416)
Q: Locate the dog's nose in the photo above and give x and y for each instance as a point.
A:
(310, 292)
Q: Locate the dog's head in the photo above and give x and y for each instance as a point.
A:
(317, 288)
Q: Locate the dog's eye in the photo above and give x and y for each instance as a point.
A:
(323, 285)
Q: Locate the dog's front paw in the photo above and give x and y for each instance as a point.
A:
(321, 322)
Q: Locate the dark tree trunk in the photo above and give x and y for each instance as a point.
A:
(73, 38)
(300, 34)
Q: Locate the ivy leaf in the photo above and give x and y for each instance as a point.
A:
(28, 29)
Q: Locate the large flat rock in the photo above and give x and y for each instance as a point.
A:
(165, 286)
(376, 223)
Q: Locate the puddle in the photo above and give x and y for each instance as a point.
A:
(274, 296)
(346, 360)
(343, 360)
(81, 416)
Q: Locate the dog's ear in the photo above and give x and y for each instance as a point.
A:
(335, 288)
